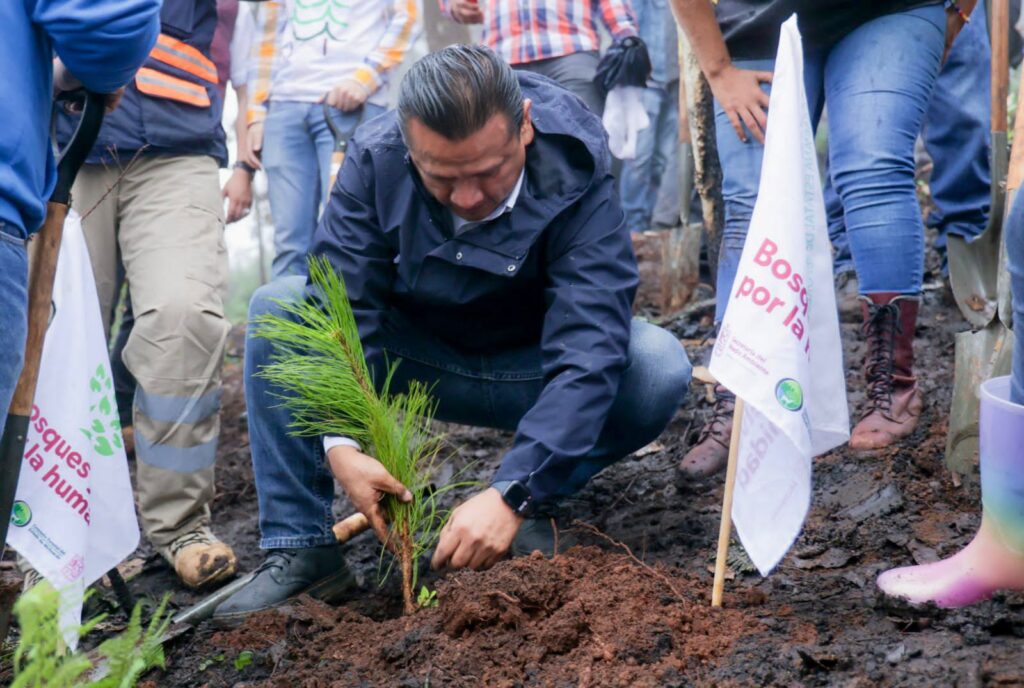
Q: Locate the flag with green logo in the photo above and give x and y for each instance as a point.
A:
(778, 347)
(74, 514)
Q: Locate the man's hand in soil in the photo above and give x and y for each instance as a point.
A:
(478, 534)
(467, 12)
(366, 482)
(347, 96)
(739, 93)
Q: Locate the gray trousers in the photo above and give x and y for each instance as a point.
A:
(575, 72)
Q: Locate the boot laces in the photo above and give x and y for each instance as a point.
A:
(880, 329)
(196, 537)
(721, 417)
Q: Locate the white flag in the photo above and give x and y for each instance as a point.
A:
(778, 348)
(74, 514)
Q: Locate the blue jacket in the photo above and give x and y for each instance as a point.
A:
(556, 271)
(102, 42)
(173, 105)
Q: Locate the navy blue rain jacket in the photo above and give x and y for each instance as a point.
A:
(557, 270)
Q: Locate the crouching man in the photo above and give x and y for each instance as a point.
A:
(482, 243)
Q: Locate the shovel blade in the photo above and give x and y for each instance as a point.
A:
(980, 355)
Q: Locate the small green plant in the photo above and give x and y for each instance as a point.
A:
(426, 598)
(210, 661)
(319, 360)
(41, 660)
(244, 659)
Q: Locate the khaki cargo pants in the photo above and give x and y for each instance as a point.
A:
(164, 220)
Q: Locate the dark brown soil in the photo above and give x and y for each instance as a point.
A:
(593, 616)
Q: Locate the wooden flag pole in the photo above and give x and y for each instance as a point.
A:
(725, 527)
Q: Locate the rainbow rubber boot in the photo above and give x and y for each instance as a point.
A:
(994, 560)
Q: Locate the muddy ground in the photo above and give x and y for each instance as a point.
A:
(630, 606)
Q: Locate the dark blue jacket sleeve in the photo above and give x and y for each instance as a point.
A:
(592, 278)
(102, 42)
(349, 236)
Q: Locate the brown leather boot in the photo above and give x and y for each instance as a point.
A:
(894, 402)
(711, 453)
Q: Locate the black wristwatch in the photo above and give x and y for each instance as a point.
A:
(242, 165)
(516, 495)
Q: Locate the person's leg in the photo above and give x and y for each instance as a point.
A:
(497, 390)
(290, 160)
(668, 185)
(994, 559)
(172, 245)
(576, 73)
(882, 74)
(13, 314)
(741, 176)
(957, 135)
(294, 487)
(636, 183)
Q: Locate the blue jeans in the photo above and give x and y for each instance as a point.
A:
(1014, 237)
(653, 175)
(294, 485)
(297, 150)
(958, 140)
(877, 82)
(13, 315)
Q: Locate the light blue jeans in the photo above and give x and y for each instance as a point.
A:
(877, 81)
(293, 484)
(1013, 235)
(958, 140)
(13, 312)
(649, 185)
(297, 150)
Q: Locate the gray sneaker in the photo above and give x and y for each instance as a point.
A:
(287, 573)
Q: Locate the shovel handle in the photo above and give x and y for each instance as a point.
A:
(999, 35)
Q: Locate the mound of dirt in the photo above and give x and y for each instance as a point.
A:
(585, 618)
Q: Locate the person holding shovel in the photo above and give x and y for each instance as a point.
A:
(98, 45)
(149, 195)
(874, 64)
(482, 242)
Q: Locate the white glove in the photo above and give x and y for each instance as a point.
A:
(624, 117)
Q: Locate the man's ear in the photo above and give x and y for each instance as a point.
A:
(526, 129)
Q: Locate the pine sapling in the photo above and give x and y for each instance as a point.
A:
(320, 366)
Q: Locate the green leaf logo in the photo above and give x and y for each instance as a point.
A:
(789, 394)
(104, 432)
(21, 514)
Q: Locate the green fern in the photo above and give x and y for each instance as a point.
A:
(319, 360)
(41, 659)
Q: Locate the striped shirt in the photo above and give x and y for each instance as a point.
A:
(522, 31)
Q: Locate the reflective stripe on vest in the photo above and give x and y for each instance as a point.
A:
(154, 83)
(184, 57)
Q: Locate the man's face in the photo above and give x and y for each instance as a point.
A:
(473, 176)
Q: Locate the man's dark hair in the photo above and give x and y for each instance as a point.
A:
(455, 92)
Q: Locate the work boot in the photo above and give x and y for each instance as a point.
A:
(200, 559)
(711, 453)
(848, 296)
(287, 573)
(894, 402)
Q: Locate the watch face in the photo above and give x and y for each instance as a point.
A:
(517, 496)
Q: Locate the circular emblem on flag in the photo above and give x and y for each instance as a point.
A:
(21, 514)
(789, 394)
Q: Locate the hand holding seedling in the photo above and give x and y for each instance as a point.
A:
(478, 534)
(366, 482)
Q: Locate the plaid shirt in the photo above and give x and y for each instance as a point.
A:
(529, 30)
